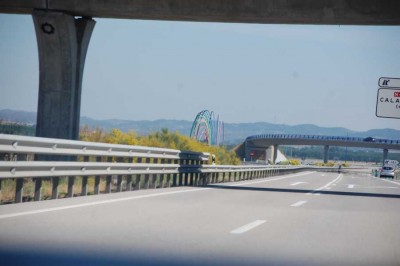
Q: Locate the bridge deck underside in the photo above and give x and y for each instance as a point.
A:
(338, 12)
(265, 143)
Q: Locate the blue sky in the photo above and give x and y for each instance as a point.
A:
(147, 70)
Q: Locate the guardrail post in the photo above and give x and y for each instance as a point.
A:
(71, 183)
(195, 180)
(154, 179)
(162, 176)
(108, 183)
(180, 181)
(0, 190)
(191, 178)
(168, 185)
(201, 181)
(108, 178)
(186, 179)
(119, 183)
(147, 177)
(84, 189)
(208, 178)
(168, 181)
(138, 177)
(129, 183)
(146, 181)
(137, 183)
(97, 179)
(119, 177)
(19, 189)
(54, 187)
(38, 189)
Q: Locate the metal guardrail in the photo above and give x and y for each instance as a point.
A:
(319, 137)
(120, 167)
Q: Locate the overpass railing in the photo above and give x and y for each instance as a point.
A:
(319, 137)
(33, 168)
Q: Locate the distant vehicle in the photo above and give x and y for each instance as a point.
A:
(387, 171)
(370, 139)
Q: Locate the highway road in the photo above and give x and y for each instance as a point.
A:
(308, 218)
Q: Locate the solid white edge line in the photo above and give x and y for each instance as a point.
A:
(390, 181)
(247, 227)
(268, 180)
(327, 185)
(10, 215)
(4, 216)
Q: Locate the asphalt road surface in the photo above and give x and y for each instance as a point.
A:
(308, 218)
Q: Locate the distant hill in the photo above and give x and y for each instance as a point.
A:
(18, 116)
(234, 132)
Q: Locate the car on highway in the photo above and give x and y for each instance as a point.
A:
(370, 139)
(387, 171)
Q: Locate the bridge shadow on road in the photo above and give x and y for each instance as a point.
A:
(305, 191)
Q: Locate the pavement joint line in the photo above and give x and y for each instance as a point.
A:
(247, 227)
(299, 203)
(11, 215)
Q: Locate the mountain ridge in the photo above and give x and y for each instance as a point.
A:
(234, 132)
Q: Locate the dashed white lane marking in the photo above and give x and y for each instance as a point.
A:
(350, 186)
(247, 227)
(297, 183)
(299, 203)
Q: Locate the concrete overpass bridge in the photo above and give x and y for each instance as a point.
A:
(63, 30)
(266, 141)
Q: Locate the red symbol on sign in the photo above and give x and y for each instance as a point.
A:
(397, 94)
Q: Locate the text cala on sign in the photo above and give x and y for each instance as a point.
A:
(388, 103)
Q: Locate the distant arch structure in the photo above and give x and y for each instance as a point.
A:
(207, 128)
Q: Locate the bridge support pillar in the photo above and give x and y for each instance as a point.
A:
(246, 152)
(326, 155)
(276, 147)
(385, 155)
(62, 44)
